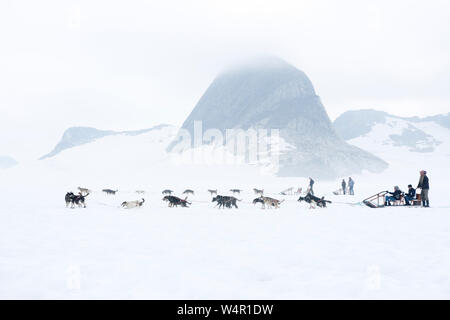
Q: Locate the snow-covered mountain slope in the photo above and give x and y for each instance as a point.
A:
(7, 162)
(155, 252)
(407, 144)
(380, 128)
(272, 94)
(77, 136)
(344, 251)
(132, 160)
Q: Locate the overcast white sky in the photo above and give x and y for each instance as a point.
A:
(134, 64)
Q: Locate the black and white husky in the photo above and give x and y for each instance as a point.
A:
(313, 201)
(76, 199)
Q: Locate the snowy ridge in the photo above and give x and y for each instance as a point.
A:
(7, 162)
(77, 136)
(416, 134)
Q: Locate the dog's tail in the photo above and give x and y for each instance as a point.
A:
(87, 194)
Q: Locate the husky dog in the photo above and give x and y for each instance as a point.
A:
(175, 201)
(84, 190)
(235, 191)
(133, 204)
(225, 201)
(110, 191)
(79, 199)
(68, 198)
(313, 201)
(188, 191)
(270, 202)
(257, 191)
(258, 200)
(167, 192)
(212, 192)
(140, 191)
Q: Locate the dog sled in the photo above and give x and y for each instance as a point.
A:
(378, 200)
(341, 192)
(291, 192)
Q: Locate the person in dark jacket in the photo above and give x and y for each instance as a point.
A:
(311, 183)
(424, 185)
(393, 196)
(351, 183)
(344, 186)
(411, 195)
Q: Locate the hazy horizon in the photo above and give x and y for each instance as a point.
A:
(121, 67)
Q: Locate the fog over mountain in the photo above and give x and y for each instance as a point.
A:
(271, 94)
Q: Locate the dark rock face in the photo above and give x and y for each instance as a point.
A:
(78, 136)
(272, 94)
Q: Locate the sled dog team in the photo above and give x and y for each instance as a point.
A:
(174, 201)
(266, 202)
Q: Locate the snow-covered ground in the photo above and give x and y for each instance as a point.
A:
(345, 251)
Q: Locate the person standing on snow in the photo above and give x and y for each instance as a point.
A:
(344, 186)
(351, 183)
(425, 186)
(311, 183)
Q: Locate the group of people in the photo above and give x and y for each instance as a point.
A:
(347, 187)
(397, 194)
(350, 186)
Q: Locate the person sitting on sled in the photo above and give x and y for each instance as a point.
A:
(393, 196)
(411, 195)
